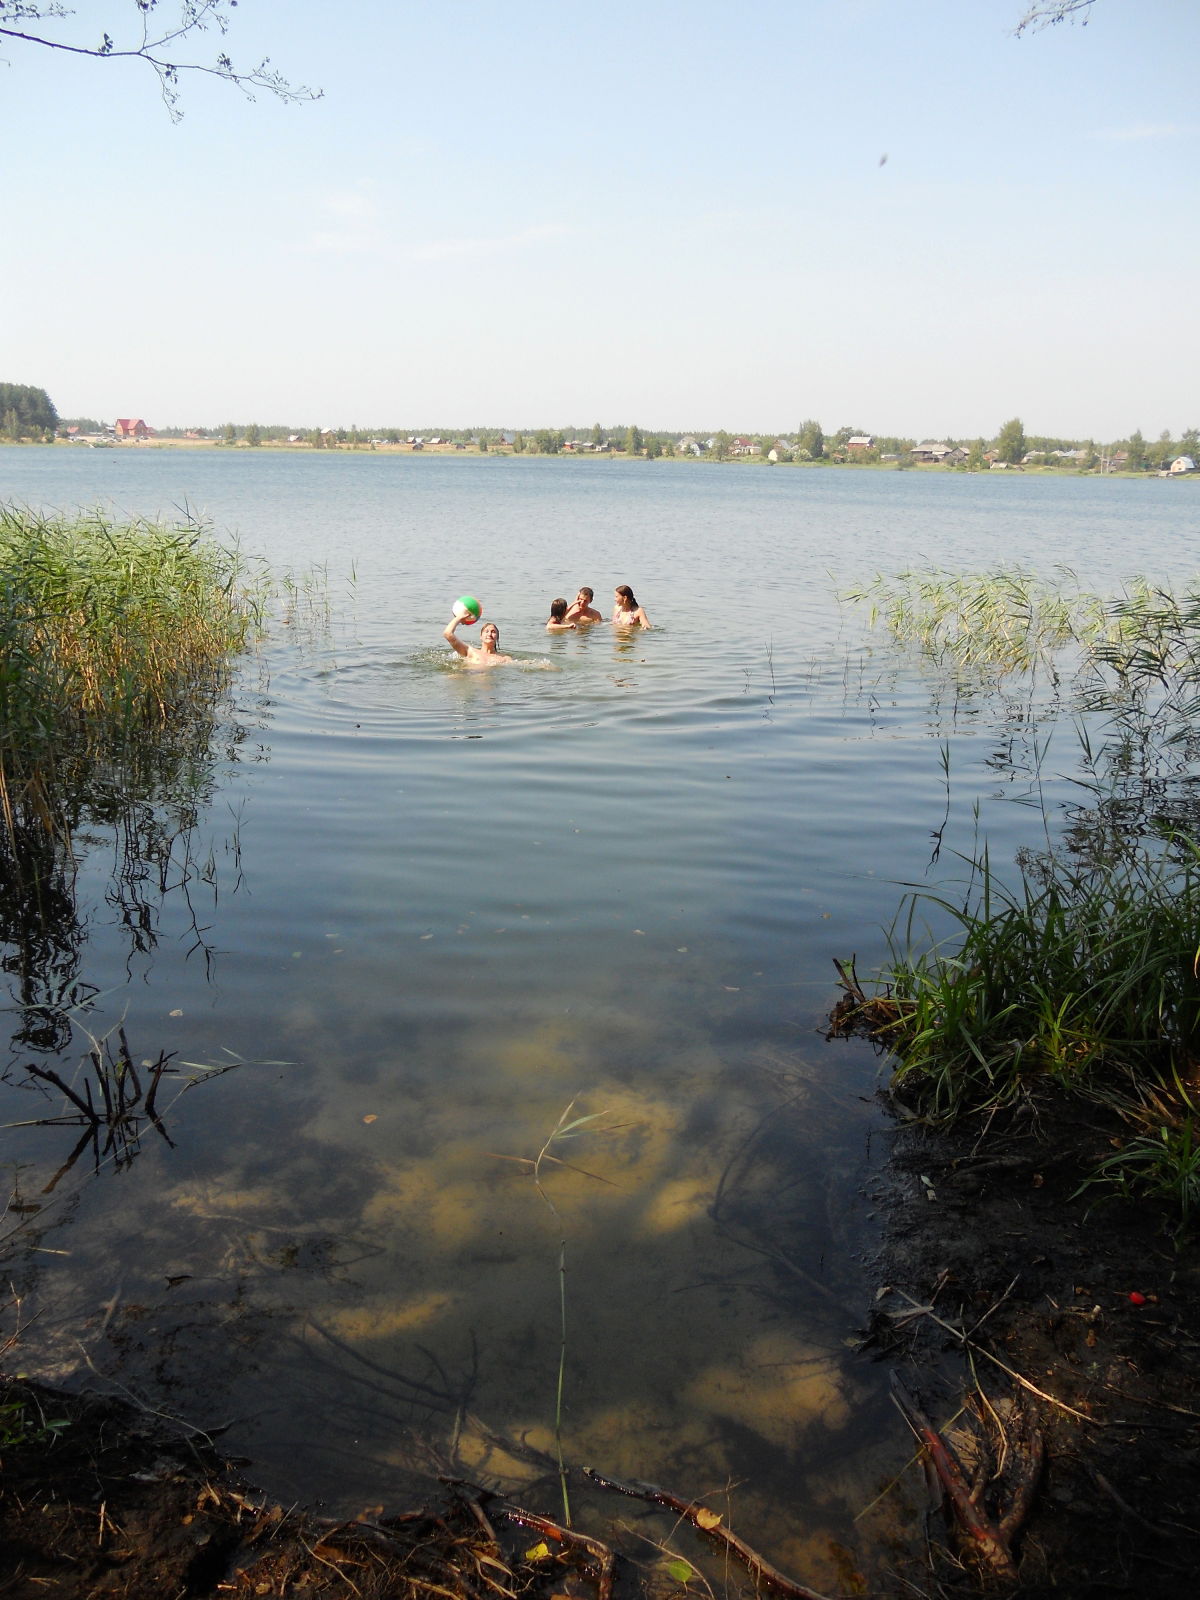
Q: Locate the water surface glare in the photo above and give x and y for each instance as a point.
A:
(438, 908)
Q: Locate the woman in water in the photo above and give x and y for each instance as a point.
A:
(558, 617)
(627, 613)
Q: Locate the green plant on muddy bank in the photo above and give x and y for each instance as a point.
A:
(1162, 1165)
(1084, 978)
(19, 1427)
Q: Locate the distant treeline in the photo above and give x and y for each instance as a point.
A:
(809, 442)
(26, 412)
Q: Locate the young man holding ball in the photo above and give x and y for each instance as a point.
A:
(486, 653)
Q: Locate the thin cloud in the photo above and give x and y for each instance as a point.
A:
(1137, 131)
(352, 221)
(357, 203)
(462, 249)
(349, 242)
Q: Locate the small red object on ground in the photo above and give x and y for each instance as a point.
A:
(1136, 1299)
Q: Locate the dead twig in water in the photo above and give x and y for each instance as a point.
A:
(709, 1522)
(858, 1011)
(570, 1539)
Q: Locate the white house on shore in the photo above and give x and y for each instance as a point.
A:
(1180, 465)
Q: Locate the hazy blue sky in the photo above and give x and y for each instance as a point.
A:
(670, 213)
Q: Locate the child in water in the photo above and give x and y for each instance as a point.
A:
(627, 613)
(558, 617)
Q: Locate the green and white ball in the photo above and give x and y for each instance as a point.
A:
(467, 609)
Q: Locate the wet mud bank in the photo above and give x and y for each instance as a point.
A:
(121, 1508)
(1046, 1353)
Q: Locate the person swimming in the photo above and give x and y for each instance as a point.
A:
(581, 608)
(558, 622)
(627, 613)
(485, 654)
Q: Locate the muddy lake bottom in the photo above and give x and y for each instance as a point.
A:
(984, 1236)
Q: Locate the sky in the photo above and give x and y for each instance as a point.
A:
(673, 214)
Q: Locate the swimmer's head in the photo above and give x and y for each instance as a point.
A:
(584, 597)
(626, 596)
(489, 634)
(558, 610)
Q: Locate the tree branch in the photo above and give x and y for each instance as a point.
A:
(1052, 12)
(195, 17)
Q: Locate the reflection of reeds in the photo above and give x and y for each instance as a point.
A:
(109, 1101)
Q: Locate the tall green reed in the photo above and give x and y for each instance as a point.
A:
(110, 633)
(567, 1128)
(1004, 621)
(117, 641)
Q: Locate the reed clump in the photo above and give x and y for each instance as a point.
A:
(1004, 621)
(1084, 976)
(109, 631)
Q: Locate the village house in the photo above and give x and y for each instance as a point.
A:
(1180, 465)
(861, 441)
(931, 450)
(132, 428)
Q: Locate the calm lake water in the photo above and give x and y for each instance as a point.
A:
(427, 911)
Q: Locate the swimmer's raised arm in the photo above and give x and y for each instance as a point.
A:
(452, 638)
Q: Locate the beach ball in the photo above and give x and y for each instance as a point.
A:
(467, 609)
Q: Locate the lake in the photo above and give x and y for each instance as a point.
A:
(429, 917)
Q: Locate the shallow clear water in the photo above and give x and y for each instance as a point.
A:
(438, 908)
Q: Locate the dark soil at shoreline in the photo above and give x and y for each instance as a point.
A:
(1085, 1324)
(1051, 1356)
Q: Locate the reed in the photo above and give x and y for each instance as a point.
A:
(1004, 621)
(565, 1129)
(1084, 976)
(109, 633)
(1132, 656)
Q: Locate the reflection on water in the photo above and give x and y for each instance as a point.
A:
(463, 902)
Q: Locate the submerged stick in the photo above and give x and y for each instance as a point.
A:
(569, 1538)
(50, 1076)
(708, 1522)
